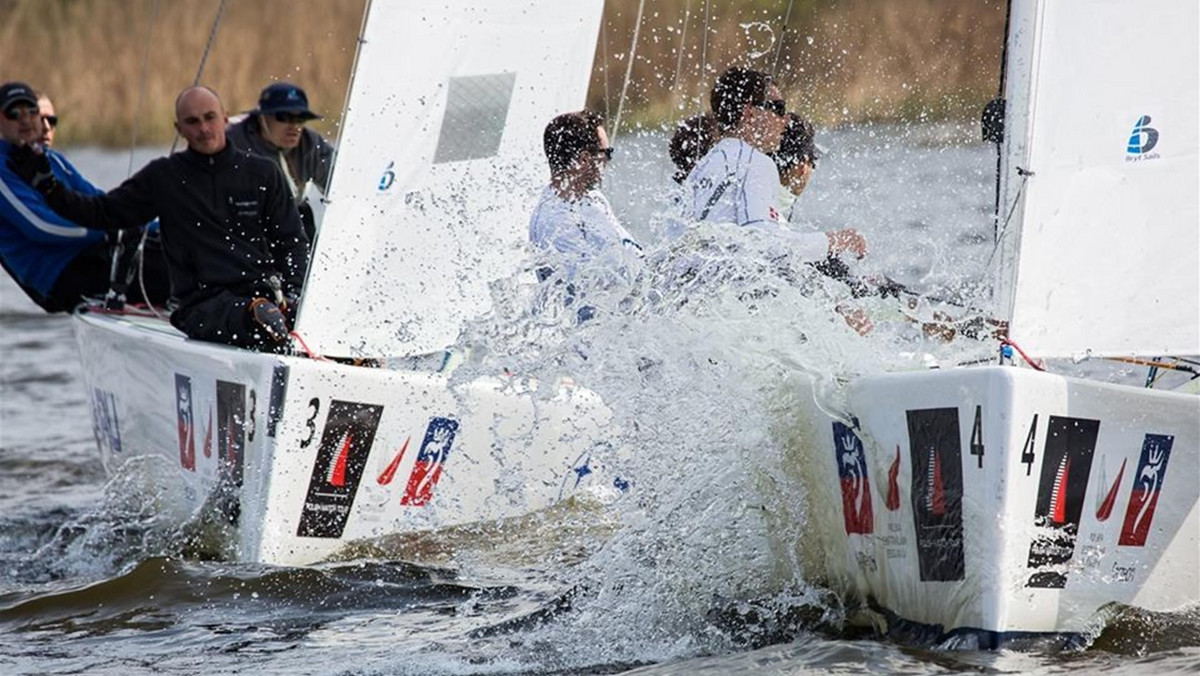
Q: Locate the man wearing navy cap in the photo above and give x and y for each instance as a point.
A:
(56, 262)
(275, 130)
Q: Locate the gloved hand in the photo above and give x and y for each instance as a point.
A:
(290, 305)
(267, 315)
(33, 166)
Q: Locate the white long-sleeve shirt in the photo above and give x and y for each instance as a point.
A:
(737, 183)
(581, 230)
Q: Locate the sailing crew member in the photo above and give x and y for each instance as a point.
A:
(236, 250)
(572, 216)
(54, 260)
(737, 182)
(275, 130)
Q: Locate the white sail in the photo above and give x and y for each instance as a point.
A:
(439, 161)
(1102, 252)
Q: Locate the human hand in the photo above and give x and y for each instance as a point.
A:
(33, 166)
(268, 316)
(857, 319)
(847, 240)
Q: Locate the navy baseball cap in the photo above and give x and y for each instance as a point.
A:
(284, 97)
(12, 93)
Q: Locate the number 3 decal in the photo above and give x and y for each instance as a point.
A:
(315, 405)
(253, 412)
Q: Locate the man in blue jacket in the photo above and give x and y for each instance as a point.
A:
(236, 252)
(55, 261)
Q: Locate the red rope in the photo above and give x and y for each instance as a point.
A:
(1024, 356)
(304, 346)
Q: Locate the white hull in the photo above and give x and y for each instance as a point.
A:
(318, 454)
(942, 510)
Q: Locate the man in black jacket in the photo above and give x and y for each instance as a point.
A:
(236, 251)
(275, 130)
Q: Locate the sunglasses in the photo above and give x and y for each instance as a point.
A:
(606, 152)
(51, 120)
(290, 118)
(777, 106)
(17, 112)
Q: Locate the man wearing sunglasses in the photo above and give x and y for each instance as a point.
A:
(235, 248)
(572, 216)
(55, 261)
(275, 130)
(737, 181)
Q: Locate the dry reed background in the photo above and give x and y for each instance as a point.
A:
(839, 61)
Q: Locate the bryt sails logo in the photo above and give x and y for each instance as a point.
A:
(852, 472)
(1142, 140)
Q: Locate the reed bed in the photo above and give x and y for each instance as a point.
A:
(114, 67)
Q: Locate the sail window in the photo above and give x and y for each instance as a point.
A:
(476, 109)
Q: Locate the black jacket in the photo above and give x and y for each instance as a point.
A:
(309, 161)
(228, 221)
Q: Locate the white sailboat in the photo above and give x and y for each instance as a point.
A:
(429, 200)
(999, 505)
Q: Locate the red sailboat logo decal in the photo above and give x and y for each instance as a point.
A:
(208, 435)
(1058, 495)
(893, 494)
(337, 469)
(389, 472)
(1106, 507)
(935, 496)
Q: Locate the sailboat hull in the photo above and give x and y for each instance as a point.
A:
(314, 454)
(1000, 505)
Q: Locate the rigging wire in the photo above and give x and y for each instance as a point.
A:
(687, 15)
(779, 45)
(604, 57)
(704, 49)
(137, 113)
(637, 29)
(212, 38)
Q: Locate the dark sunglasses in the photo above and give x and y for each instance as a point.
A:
(290, 118)
(777, 106)
(17, 112)
(51, 120)
(606, 152)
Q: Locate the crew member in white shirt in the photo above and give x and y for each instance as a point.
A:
(572, 216)
(737, 181)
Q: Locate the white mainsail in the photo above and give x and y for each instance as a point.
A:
(1102, 254)
(439, 161)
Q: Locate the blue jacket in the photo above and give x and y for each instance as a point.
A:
(35, 242)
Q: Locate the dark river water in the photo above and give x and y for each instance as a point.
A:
(96, 579)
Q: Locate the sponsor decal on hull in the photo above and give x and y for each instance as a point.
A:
(106, 426)
(893, 492)
(339, 466)
(431, 458)
(1105, 508)
(231, 430)
(857, 514)
(185, 422)
(937, 488)
(1147, 486)
(1066, 468)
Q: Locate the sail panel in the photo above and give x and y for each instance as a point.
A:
(1103, 110)
(438, 167)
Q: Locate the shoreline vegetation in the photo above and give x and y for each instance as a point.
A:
(113, 67)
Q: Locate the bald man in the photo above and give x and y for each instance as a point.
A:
(236, 250)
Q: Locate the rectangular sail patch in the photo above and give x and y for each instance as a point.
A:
(473, 124)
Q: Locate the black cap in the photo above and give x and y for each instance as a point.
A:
(12, 93)
(284, 97)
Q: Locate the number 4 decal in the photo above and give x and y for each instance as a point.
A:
(1027, 455)
(977, 435)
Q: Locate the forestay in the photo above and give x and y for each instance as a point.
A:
(1102, 254)
(439, 161)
